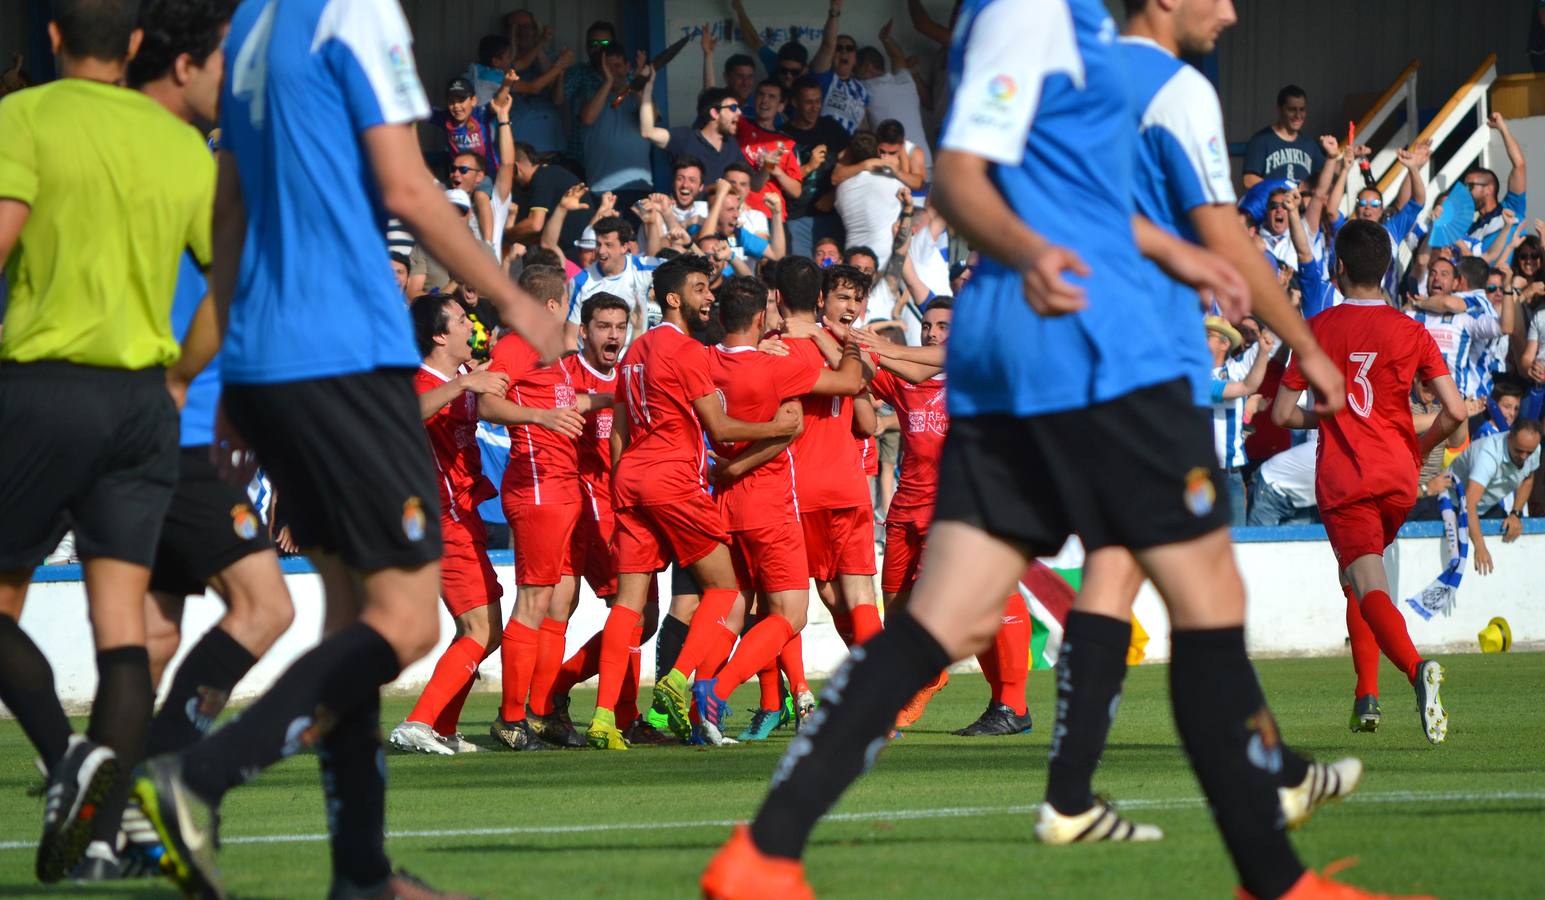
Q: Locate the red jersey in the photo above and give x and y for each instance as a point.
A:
(753, 385)
(924, 422)
(869, 456)
(453, 438)
(663, 372)
(1266, 439)
(1368, 449)
(595, 445)
(544, 465)
(756, 143)
(828, 473)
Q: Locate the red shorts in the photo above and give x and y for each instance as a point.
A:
(903, 555)
(467, 578)
(542, 535)
(649, 537)
(839, 541)
(1365, 527)
(770, 558)
(590, 551)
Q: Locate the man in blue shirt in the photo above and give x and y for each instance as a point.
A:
(1067, 385)
(1484, 187)
(303, 383)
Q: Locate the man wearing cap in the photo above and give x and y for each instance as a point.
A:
(1228, 405)
(468, 127)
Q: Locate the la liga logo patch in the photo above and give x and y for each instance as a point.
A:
(1200, 495)
(413, 519)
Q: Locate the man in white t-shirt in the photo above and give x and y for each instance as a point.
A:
(893, 95)
(614, 271)
(867, 201)
(1282, 492)
(687, 190)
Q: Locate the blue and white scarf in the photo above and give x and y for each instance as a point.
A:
(1440, 595)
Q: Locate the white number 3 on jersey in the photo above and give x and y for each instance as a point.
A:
(1362, 405)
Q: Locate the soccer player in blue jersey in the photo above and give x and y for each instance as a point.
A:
(1182, 184)
(323, 394)
(1095, 432)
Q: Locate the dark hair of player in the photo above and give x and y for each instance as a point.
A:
(671, 278)
(96, 29)
(1363, 250)
(940, 301)
(799, 283)
(599, 301)
(739, 300)
(614, 225)
(1473, 271)
(430, 320)
(836, 275)
(175, 27)
(543, 282)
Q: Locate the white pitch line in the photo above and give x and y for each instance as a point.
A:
(900, 815)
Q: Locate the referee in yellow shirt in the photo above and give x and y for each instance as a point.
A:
(101, 191)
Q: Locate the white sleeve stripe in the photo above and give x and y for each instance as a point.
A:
(1187, 107)
(1006, 63)
(378, 37)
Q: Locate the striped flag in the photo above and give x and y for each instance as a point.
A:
(1049, 594)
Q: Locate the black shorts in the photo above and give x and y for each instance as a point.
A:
(1139, 471)
(85, 448)
(210, 525)
(350, 463)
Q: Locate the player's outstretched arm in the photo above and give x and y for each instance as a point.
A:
(847, 379)
(725, 429)
(566, 420)
(1453, 415)
(759, 452)
(866, 420)
(409, 193)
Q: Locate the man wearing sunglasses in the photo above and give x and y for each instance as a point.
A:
(787, 64)
(1484, 185)
(581, 82)
(1399, 222)
(846, 96)
(710, 138)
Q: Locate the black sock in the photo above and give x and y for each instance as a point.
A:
(120, 719)
(1090, 668)
(331, 680)
(673, 633)
(354, 785)
(199, 691)
(27, 690)
(858, 708)
(1232, 740)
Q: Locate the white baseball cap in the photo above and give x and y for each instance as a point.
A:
(458, 197)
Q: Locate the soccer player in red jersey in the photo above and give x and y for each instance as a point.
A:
(1369, 458)
(448, 392)
(541, 499)
(604, 319)
(756, 485)
(659, 491)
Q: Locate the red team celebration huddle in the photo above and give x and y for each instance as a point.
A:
(899, 365)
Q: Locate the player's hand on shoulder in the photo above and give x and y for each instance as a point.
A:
(1046, 289)
(483, 380)
(788, 419)
(773, 345)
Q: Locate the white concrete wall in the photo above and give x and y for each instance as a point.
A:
(1296, 609)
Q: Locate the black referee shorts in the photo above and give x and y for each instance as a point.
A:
(351, 464)
(210, 525)
(86, 448)
(1139, 471)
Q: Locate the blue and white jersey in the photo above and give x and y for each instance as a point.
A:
(304, 80)
(632, 284)
(1228, 420)
(1182, 163)
(1040, 93)
(198, 413)
(1465, 342)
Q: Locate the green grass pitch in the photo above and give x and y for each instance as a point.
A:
(939, 816)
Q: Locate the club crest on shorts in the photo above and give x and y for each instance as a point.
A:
(244, 521)
(1265, 745)
(1200, 494)
(413, 519)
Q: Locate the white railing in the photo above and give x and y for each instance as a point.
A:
(1468, 103)
(1400, 95)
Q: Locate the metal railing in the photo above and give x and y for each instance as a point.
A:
(1468, 103)
(1399, 96)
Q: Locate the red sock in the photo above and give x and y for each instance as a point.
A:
(452, 676)
(1013, 646)
(770, 683)
(518, 649)
(842, 620)
(717, 656)
(615, 638)
(988, 660)
(1389, 629)
(445, 724)
(582, 666)
(627, 701)
(549, 659)
(866, 622)
(1365, 647)
(758, 649)
(706, 630)
(792, 660)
